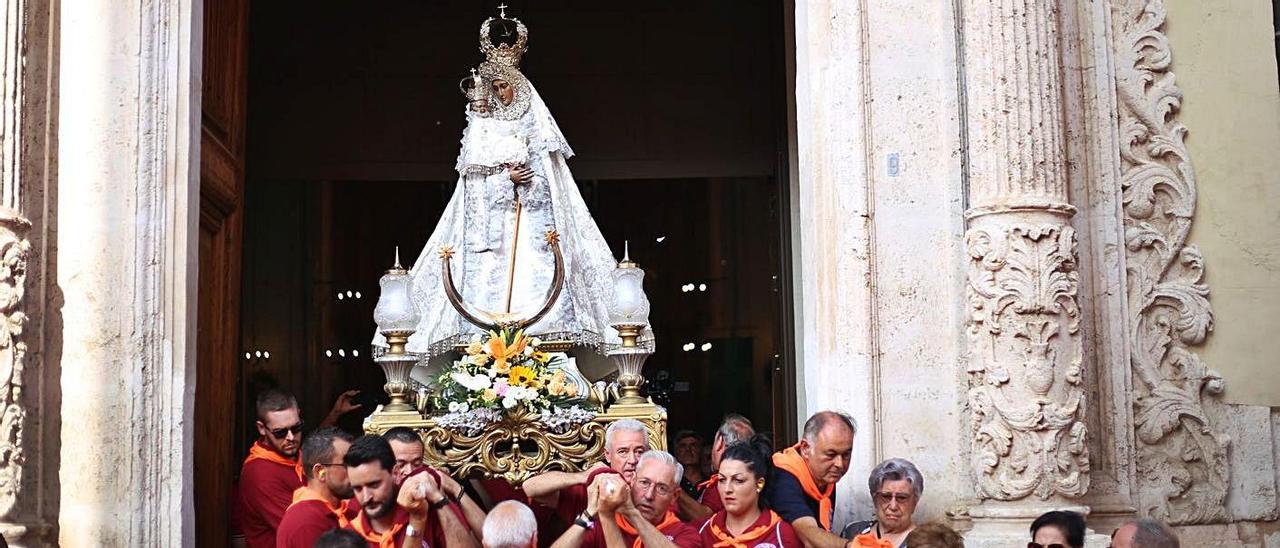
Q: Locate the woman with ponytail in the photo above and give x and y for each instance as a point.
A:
(746, 522)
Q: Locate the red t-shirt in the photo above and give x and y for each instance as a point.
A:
(680, 533)
(265, 491)
(549, 525)
(305, 521)
(779, 535)
(573, 499)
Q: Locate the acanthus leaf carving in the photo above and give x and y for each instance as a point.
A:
(1181, 460)
(1026, 398)
(14, 253)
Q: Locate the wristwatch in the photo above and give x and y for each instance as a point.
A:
(585, 520)
(444, 501)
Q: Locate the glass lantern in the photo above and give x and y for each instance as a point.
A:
(395, 313)
(629, 309)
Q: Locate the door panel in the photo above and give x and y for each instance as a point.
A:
(218, 377)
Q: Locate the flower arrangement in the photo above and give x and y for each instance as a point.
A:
(505, 372)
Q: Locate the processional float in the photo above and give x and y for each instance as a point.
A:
(510, 405)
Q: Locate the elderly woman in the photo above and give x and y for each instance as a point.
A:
(896, 486)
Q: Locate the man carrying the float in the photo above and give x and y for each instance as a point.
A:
(624, 442)
(634, 513)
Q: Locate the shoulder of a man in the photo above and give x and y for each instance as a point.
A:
(684, 535)
(788, 499)
(263, 473)
(303, 523)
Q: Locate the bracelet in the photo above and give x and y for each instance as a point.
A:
(585, 520)
(458, 497)
(444, 501)
(410, 531)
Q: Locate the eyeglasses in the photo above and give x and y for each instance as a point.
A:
(1038, 545)
(661, 488)
(886, 498)
(280, 433)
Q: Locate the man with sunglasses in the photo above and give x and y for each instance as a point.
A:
(321, 505)
(273, 471)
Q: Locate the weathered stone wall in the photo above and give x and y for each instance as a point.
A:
(877, 214)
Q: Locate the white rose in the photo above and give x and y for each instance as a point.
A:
(471, 382)
(508, 402)
(453, 407)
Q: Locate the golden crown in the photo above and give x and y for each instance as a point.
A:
(504, 54)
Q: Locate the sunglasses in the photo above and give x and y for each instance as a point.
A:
(1038, 545)
(280, 433)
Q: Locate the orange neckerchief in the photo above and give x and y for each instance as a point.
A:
(789, 459)
(304, 493)
(384, 540)
(709, 484)
(667, 521)
(869, 540)
(725, 540)
(259, 451)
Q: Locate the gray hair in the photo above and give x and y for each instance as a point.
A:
(735, 428)
(821, 419)
(510, 524)
(1151, 533)
(665, 458)
(625, 425)
(895, 470)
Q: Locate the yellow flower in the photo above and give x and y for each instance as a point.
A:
(489, 395)
(501, 367)
(522, 376)
(556, 388)
(541, 357)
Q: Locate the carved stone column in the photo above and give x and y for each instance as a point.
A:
(22, 508)
(1026, 391)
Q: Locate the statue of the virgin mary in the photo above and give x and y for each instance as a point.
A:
(513, 150)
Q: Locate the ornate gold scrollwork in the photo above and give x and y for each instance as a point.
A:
(519, 446)
(514, 449)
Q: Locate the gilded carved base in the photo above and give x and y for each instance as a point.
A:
(519, 446)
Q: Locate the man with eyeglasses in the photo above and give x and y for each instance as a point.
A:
(805, 476)
(273, 471)
(624, 443)
(635, 515)
(320, 505)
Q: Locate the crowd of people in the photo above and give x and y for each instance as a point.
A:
(333, 490)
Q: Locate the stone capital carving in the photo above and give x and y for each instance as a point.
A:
(1182, 465)
(1026, 400)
